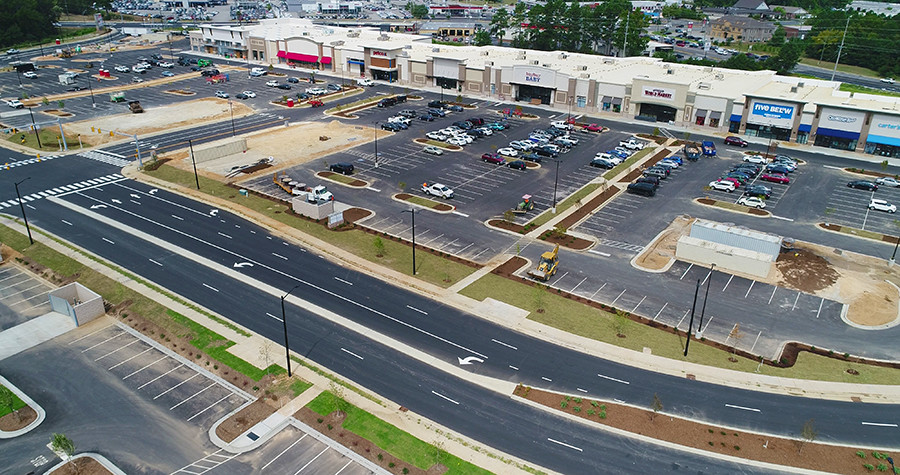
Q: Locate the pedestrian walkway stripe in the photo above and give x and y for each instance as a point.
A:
(105, 157)
(63, 190)
(30, 161)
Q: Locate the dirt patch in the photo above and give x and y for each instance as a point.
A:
(509, 226)
(509, 267)
(804, 270)
(873, 304)
(84, 466)
(583, 210)
(662, 250)
(810, 455)
(566, 240)
(246, 418)
(180, 92)
(14, 421)
(155, 119)
(331, 425)
(57, 113)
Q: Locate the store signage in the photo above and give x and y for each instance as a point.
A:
(658, 93)
(772, 111)
(888, 126)
(379, 53)
(532, 77)
(840, 118)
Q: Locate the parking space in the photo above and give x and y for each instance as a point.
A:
(294, 451)
(161, 379)
(22, 296)
(778, 190)
(850, 207)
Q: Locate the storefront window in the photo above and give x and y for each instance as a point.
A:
(802, 137)
(700, 120)
(735, 127)
(617, 108)
(713, 122)
(581, 101)
(607, 106)
(882, 150)
(835, 142)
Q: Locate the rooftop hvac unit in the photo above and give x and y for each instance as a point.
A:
(608, 60)
(584, 76)
(720, 76)
(384, 38)
(489, 63)
(793, 88)
(337, 43)
(546, 65)
(670, 71)
(485, 53)
(563, 56)
(407, 47)
(353, 34)
(703, 85)
(800, 84)
(582, 68)
(435, 50)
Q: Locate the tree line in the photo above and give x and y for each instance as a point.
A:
(32, 21)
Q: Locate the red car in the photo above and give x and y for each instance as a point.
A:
(737, 183)
(316, 103)
(775, 178)
(593, 128)
(732, 140)
(492, 158)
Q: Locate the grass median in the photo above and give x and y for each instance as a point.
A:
(391, 439)
(394, 255)
(589, 322)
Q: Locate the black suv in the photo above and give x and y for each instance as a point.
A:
(436, 104)
(342, 168)
(209, 72)
(387, 102)
(863, 185)
(642, 188)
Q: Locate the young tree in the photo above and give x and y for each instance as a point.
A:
(735, 336)
(378, 244)
(539, 292)
(808, 434)
(338, 398)
(656, 405)
(61, 444)
(620, 322)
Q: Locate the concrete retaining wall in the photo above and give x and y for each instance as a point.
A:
(83, 304)
(312, 210)
(220, 150)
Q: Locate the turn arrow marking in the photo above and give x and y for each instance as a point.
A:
(116, 201)
(243, 264)
(469, 360)
(97, 206)
(153, 191)
(213, 212)
(135, 196)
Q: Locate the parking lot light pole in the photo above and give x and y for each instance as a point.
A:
(555, 185)
(413, 213)
(376, 144)
(894, 254)
(37, 134)
(691, 322)
(196, 177)
(231, 106)
(287, 348)
(712, 268)
(19, 197)
(91, 88)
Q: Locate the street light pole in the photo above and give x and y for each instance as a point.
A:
(231, 106)
(555, 186)
(691, 323)
(37, 135)
(196, 177)
(287, 347)
(91, 88)
(22, 207)
(712, 267)
(894, 254)
(413, 213)
(376, 144)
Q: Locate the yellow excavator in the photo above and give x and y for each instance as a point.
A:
(547, 267)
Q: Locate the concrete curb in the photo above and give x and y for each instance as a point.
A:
(663, 269)
(41, 414)
(99, 458)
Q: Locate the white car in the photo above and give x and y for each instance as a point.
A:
(433, 150)
(722, 185)
(15, 104)
(566, 141)
(274, 83)
(888, 80)
(887, 181)
(167, 65)
(316, 91)
(222, 94)
(756, 159)
(457, 141)
(138, 69)
(436, 136)
(399, 120)
(121, 69)
(508, 152)
(30, 74)
(437, 189)
(671, 163)
(485, 130)
(249, 93)
(752, 201)
(136, 79)
(519, 145)
(632, 144)
(882, 205)
(562, 125)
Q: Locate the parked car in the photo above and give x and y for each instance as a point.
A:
(15, 104)
(882, 205)
(437, 112)
(436, 136)
(887, 181)
(648, 179)
(669, 163)
(632, 144)
(723, 185)
(756, 159)
(602, 163)
(249, 93)
(453, 108)
(436, 104)
(286, 87)
(772, 167)
(758, 190)
(121, 69)
(642, 188)
(562, 125)
(437, 189)
(391, 126)
(386, 102)
(737, 182)
(293, 80)
(342, 167)
(316, 103)
(776, 178)
(333, 87)
(29, 75)
(365, 82)
(531, 157)
(509, 152)
(222, 94)
(752, 201)
(433, 150)
(655, 172)
(427, 117)
(517, 165)
(241, 96)
(732, 140)
(272, 83)
(863, 185)
(593, 128)
(458, 141)
(167, 74)
(408, 113)
(315, 91)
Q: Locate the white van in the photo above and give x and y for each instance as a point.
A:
(365, 82)
(256, 72)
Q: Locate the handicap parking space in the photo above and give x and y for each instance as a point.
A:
(22, 296)
(850, 207)
(162, 379)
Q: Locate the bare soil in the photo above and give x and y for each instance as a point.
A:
(507, 268)
(353, 215)
(85, 466)
(809, 455)
(662, 250)
(246, 418)
(509, 226)
(332, 426)
(57, 113)
(804, 270)
(13, 421)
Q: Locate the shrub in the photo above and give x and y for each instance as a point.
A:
(578, 400)
(380, 457)
(405, 470)
(591, 412)
(319, 420)
(603, 414)
(869, 466)
(391, 464)
(737, 447)
(881, 467)
(563, 404)
(595, 403)
(577, 408)
(860, 454)
(711, 443)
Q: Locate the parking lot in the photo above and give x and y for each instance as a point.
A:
(850, 207)
(22, 297)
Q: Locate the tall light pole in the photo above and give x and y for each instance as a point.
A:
(691, 323)
(22, 207)
(231, 106)
(376, 144)
(196, 177)
(555, 186)
(413, 213)
(287, 348)
(712, 268)
(37, 134)
(91, 88)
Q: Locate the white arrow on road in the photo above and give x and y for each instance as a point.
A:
(243, 264)
(135, 196)
(97, 206)
(116, 201)
(469, 360)
(153, 191)
(213, 212)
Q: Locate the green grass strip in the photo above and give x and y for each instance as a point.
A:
(589, 322)
(16, 403)
(299, 387)
(335, 379)
(389, 438)
(564, 205)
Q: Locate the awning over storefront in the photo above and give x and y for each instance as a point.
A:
(356, 61)
(804, 128)
(305, 58)
(735, 118)
(841, 134)
(325, 60)
(715, 115)
(607, 100)
(701, 112)
(881, 139)
(617, 101)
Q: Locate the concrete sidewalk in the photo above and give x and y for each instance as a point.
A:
(33, 332)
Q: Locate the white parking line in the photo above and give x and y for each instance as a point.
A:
(773, 295)
(686, 271)
(559, 279)
(117, 349)
(342, 468)
(820, 307)
(726, 283)
(145, 367)
(751, 288)
(285, 450)
(660, 311)
(638, 304)
(579, 284)
(192, 396)
(565, 444)
(311, 461)
(177, 385)
(444, 397)
(755, 341)
(129, 359)
(683, 317)
(209, 406)
(878, 424)
(795, 302)
(89, 334)
(160, 376)
(102, 342)
(617, 298)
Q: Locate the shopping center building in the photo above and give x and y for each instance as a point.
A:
(707, 99)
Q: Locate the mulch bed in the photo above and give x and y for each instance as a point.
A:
(13, 421)
(246, 418)
(870, 172)
(565, 240)
(586, 209)
(437, 207)
(331, 425)
(445, 146)
(85, 466)
(509, 226)
(354, 183)
(507, 268)
(631, 176)
(839, 228)
(775, 450)
(180, 92)
(353, 215)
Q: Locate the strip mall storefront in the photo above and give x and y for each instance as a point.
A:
(534, 84)
(884, 136)
(839, 128)
(770, 119)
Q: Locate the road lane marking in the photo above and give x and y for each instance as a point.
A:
(157, 263)
(660, 311)
(604, 254)
(581, 390)
(504, 344)
(423, 312)
(513, 367)
(565, 444)
(224, 235)
(273, 316)
(63, 220)
(612, 379)
(444, 397)
(342, 280)
(107, 240)
(178, 217)
(879, 424)
(744, 408)
(351, 353)
(460, 214)
(279, 256)
(210, 287)
(546, 379)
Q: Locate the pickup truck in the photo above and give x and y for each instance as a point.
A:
(365, 82)
(314, 195)
(632, 144)
(15, 104)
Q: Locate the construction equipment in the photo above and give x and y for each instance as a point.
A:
(547, 267)
(135, 107)
(525, 205)
(202, 63)
(117, 97)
